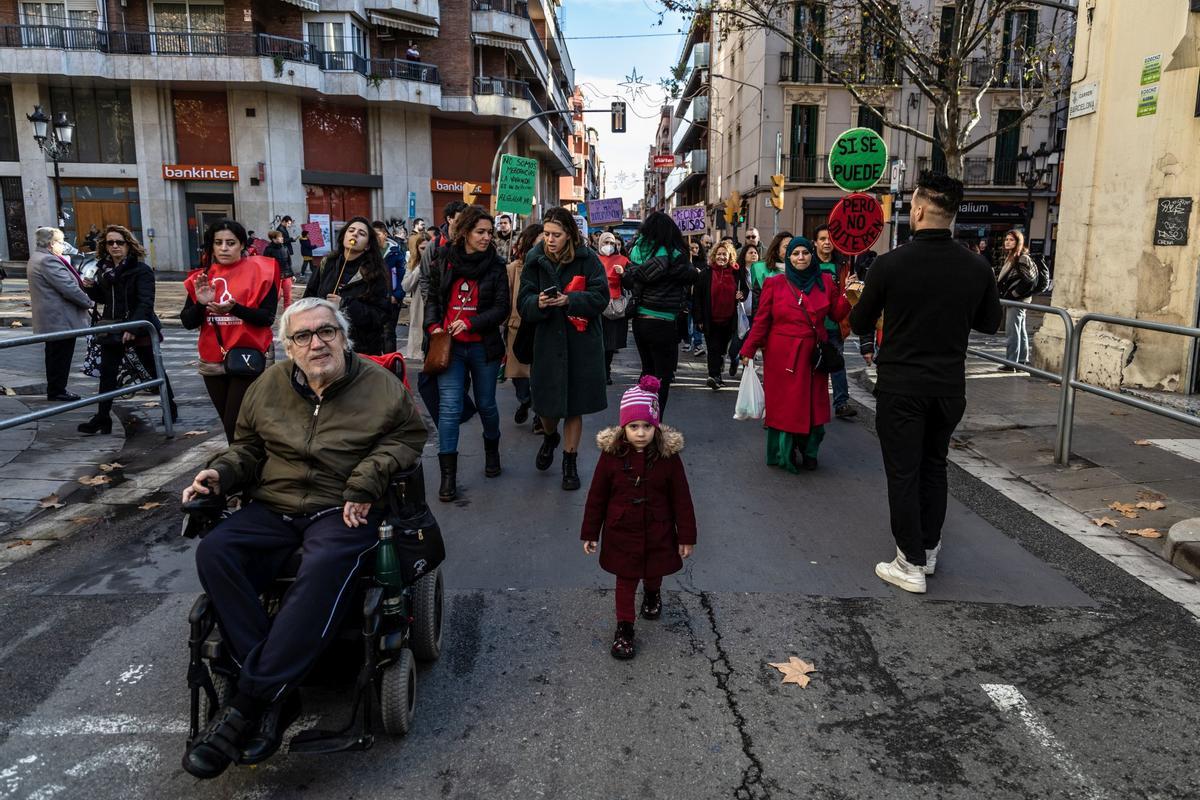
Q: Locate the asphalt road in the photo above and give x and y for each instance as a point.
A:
(1032, 669)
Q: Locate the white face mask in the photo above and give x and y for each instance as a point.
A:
(606, 249)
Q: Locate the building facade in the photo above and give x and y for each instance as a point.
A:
(774, 110)
(687, 184)
(654, 179)
(1131, 177)
(188, 112)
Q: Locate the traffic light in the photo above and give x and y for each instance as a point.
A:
(777, 192)
(742, 211)
(733, 207)
(618, 117)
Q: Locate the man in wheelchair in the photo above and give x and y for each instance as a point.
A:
(318, 439)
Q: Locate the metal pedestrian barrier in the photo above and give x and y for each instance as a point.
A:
(159, 383)
(1072, 336)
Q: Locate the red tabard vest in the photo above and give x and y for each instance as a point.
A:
(246, 282)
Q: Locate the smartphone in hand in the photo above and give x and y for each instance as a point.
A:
(551, 292)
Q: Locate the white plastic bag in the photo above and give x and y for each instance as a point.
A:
(743, 321)
(751, 401)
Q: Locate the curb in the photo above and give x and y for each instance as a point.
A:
(1171, 581)
(1182, 547)
(45, 530)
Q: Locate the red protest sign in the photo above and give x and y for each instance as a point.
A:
(315, 237)
(855, 223)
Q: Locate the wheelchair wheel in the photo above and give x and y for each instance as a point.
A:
(226, 689)
(427, 617)
(398, 694)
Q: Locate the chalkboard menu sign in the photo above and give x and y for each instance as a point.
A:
(1171, 224)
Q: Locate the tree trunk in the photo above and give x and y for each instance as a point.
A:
(954, 162)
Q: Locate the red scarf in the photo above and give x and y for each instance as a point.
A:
(722, 297)
(577, 284)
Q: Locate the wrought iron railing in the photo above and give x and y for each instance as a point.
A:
(504, 87)
(803, 68)
(979, 171)
(806, 168)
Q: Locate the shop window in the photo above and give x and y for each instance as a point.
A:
(14, 218)
(8, 128)
(201, 127)
(335, 137)
(98, 202)
(103, 123)
(341, 203)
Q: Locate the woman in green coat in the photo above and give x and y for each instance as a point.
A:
(563, 292)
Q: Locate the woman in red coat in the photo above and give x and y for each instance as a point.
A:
(790, 319)
(640, 498)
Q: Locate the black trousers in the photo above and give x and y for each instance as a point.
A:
(717, 336)
(658, 345)
(226, 393)
(238, 560)
(389, 331)
(59, 354)
(111, 357)
(914, 434)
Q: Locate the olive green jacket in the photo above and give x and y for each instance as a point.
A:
(300, 455)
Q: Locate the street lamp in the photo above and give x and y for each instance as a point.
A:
(56, 145)
(1032, 170)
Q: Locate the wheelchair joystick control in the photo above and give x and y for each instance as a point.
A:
(388, 575)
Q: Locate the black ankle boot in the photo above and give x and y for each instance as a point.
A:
(651, 604)
(97, 424)
(522, 415)
(570, 480)
(491, 457)
(623, 646)
(265, 741)
(449, 465)
(545, 454)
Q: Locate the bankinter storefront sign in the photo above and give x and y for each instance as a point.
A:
(198, 172)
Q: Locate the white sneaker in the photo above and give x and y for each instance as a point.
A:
(699, 351)
(899, 572)
(687, 348)
(931, 559)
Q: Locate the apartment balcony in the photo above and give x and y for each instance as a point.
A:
(692, 173)
(804, 168)
(1003, 74)
(803, 68)
(1000, 173)
(502, 97)
(693, 132)
(180, 56)
(422, 9)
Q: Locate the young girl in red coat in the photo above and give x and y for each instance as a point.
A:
(640, 499)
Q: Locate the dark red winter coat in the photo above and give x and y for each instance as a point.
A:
(639, 514)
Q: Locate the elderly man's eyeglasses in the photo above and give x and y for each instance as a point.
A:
(326, 333)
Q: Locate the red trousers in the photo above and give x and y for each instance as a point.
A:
(626, 589)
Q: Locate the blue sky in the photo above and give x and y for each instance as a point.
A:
(602, 64)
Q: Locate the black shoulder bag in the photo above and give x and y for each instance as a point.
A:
(825, 357)
(245, 362)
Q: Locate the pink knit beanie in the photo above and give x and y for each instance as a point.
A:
(640, 404)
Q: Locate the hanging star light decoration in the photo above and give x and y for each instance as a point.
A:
(635, 87)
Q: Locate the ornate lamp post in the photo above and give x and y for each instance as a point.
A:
(56, 145)
(1032, 170)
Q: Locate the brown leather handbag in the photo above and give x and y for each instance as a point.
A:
(437, 360)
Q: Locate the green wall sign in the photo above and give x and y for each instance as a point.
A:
(858, 159)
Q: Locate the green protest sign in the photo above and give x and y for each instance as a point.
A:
(518, 184)
(857, 159)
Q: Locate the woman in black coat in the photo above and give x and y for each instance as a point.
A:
(660, 276)
(354, 277)
(468, 297)
(124, 291)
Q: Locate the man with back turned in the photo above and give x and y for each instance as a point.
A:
(931, 293)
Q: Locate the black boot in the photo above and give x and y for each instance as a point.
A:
(522, 415)
(97, 424)
(219, 745)
(449, 488)
(570, 474)
(491, 457)
(651, 604)
(275, 722)
(545, 454)
(622, 646)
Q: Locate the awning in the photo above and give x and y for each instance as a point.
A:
(399, 24)
(496, 41)
(308, 5)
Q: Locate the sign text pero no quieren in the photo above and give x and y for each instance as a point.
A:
(855, 223)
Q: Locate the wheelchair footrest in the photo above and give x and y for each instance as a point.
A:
(321, 742)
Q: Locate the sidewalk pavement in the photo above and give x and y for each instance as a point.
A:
(1132, 475)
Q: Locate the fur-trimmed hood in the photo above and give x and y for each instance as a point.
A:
(609, 441)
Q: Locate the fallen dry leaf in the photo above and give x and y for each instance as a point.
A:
(50, 501)
(195, 433)
(84, 520)
(16, 323)
(95, 480)
(19, 543)
(1109, 521)
(111, 466)
(149, 506)
(1127, 510)
(1142, 442)
(795, 670)
(1150, 494)
(1119, 413)
(1146, 533)
(1152, 505)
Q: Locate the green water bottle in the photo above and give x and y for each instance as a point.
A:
(387, 575)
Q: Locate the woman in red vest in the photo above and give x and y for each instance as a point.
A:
(232, 300)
